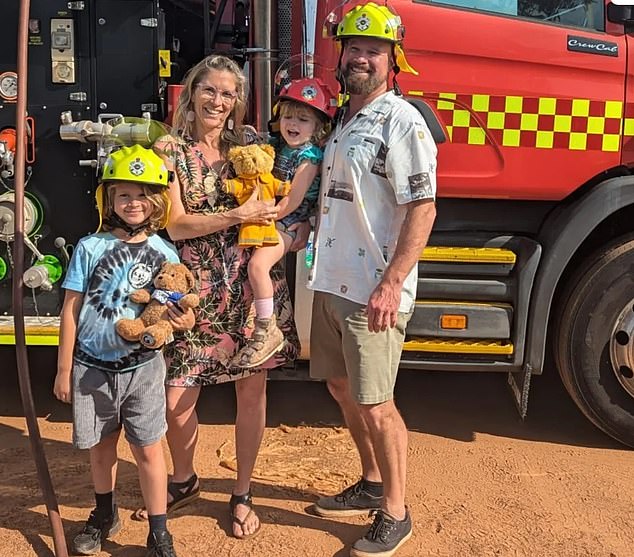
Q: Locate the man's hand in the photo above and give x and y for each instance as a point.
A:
(301, 239)
(382, 308)
(179, 319)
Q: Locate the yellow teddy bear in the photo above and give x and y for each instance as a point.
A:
(253, 165)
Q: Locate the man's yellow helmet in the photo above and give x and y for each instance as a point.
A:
(373, 21)
(133, 164)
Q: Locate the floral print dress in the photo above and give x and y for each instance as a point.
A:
(224, 319)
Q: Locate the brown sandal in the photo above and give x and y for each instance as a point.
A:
(182, 494)
(247, 501)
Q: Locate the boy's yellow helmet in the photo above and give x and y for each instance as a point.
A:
(134, 164)
(373, 21)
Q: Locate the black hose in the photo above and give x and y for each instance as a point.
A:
(24, 376)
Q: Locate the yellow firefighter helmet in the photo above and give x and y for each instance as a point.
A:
(371, 20)
(135, 164)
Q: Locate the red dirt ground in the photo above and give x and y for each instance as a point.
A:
(480, 482)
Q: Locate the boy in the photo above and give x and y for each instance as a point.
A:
(114, 383)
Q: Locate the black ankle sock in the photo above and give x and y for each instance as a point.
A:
(105, 503)
(373, 488)
(158, 522)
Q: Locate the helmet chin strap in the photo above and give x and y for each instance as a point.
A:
(117, 222)
(395, 86)
(339, 76)
(396, 70)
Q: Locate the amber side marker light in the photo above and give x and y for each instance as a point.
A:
(451, 321)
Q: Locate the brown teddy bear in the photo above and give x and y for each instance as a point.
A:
(152, 328)
(253, 165)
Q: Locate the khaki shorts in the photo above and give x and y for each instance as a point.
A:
(341, 345)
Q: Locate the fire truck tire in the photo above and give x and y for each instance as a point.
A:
(590, 315)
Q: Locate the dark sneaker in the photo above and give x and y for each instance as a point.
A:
(352, 500)
(384, 537)
(96, 529)
(160, 544)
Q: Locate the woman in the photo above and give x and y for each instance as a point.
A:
(207, 122)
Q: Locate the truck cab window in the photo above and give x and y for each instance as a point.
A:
(586, 14)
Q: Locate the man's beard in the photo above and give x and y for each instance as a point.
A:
(360, 84)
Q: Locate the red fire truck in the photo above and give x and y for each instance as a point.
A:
(531, 103)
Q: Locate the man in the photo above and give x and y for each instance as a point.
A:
(376, 212)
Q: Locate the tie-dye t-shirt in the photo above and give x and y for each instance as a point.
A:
(107, 270)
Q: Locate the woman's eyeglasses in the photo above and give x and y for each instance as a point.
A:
(209, 92)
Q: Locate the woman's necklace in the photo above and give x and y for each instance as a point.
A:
(209, 154)
(210, 171)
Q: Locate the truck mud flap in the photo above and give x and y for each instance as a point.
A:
(519, 384)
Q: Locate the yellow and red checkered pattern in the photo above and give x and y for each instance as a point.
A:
(539, 122)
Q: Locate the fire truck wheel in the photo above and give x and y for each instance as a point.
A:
(594, 339)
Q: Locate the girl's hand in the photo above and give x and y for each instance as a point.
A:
(62, 389)
(255, 211)
(179, 319)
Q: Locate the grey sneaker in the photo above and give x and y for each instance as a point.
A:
(351, 501)
(96, 529)
(266, 340)
(385, 536)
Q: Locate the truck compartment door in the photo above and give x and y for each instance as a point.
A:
(530, 93)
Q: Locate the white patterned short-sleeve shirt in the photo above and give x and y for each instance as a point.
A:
(374, 165)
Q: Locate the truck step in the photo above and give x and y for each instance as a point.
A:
(458, 346)
(468, 260)
(457, 254)
(39, 331)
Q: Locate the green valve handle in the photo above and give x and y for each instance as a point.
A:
(43, 274)
(3, 268)
(54, 267)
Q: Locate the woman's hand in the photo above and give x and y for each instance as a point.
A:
(255, 211)
(179, 319)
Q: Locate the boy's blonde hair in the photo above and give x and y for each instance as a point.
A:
(322, 123)
(156, 195)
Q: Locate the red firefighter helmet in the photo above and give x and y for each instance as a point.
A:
(310, 91)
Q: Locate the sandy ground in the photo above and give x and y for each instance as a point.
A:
(480, 481)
